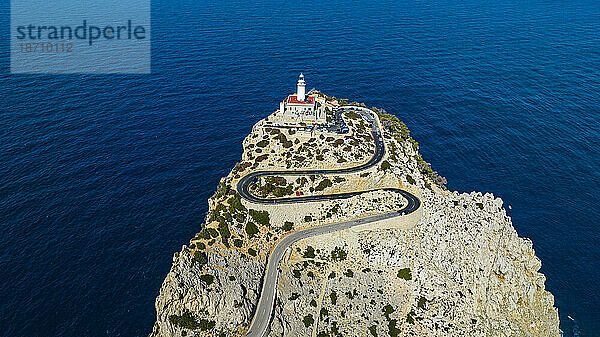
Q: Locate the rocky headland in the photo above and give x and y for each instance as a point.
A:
(455, 267)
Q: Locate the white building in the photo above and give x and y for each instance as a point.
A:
(302, 108)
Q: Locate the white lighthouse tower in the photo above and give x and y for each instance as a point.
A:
(301, 108)
(301, 91)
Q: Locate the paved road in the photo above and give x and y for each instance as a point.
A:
(244, 183)
(264, 309)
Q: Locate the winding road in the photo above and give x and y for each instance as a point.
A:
(264, 310)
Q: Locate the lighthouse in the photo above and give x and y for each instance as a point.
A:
(300, 107)
(301, 91)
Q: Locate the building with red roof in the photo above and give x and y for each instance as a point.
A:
(302, 108)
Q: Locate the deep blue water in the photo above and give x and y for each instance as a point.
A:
(103, 177)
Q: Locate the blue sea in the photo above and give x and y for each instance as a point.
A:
(104, 177)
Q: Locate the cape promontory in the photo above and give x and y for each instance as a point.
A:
(332, 224)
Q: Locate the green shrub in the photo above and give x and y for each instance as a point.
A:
(294, 297)
(261, 158)
(207, 278)
(338, 254)
(308, 218)
(213, 232)
(309, 252)
(410, 317)
(251, 229)
(199, 257)
(410, 179)
(296, 273)
(387, 310)
(313, 303)
(186, 321)
(349, 273)
(421, 303)
(260, 217)
(333, 297)
(373, 330)
(287, 226)
(251, 252)
(352, 115)
(332, 275)
(224, 230)
(308, 320)
(323, 185)
(238, 243)
(392, 330)
(204, 324)
(262, 143)
(480, 205)
(385, 165)
(203, 234)
(404, 273)
(235, 203)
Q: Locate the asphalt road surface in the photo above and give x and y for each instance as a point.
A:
(264, 309)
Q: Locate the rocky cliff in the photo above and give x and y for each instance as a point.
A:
(457, 267)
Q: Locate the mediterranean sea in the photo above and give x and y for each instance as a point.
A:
(104, 177)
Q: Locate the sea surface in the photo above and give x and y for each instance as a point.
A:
(104, 177)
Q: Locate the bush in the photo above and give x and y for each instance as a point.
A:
(204, 324)
(349, 273)
(199, 257)
(323, 185)
(236, 203)
(261, 158)
(352, 115)
(213, 232)
(308, 218)
(262, 143)
(410, 179)
(224, 230)
(421, 303)
(392, 330)
(373, 330)
(261, 217)
(338, 254)
(186, 321)
(296, 273)
(387, 310)
(251, 229)
(251, 252)
(208, 279)
(333, 297)
(238, 243)
(404, 273)
(385, 165)
(309, 253)
(287, 226)
(308, 320)
(313, 303)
